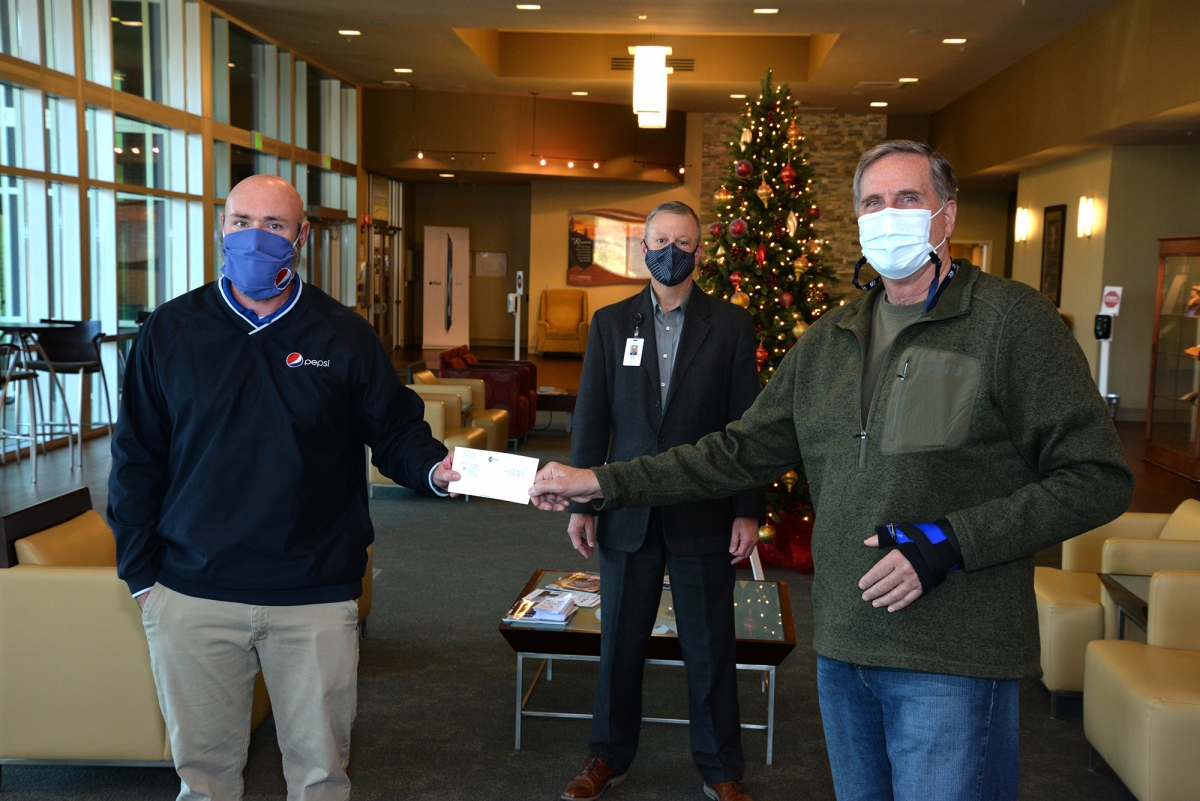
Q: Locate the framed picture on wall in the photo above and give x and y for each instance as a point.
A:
(1053, 233)
(604, 247)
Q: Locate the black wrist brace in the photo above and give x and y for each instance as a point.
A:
(931, 548)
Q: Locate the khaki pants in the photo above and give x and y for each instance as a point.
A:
(205, 656)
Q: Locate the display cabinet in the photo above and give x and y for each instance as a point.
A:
(1173, 409)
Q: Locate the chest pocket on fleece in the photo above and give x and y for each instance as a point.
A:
(933, 395)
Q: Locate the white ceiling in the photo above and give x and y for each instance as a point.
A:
(880, 40)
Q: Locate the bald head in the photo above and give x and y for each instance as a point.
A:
(267, 202)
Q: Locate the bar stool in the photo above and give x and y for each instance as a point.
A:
(15, 373)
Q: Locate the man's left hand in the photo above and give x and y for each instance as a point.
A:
(443, 474)
(745, 537)
(892, 582)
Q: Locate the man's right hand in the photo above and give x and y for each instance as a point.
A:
(582, 530)
(556, 485)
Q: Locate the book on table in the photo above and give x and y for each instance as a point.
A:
(543, 606)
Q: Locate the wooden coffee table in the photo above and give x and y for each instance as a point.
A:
(765, 637)
(563, 402)
(1132, 596)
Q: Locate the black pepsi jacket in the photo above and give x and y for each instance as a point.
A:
(238, 468)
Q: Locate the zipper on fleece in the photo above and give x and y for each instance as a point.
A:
(903, 376)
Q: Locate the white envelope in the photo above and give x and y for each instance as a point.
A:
(491, 474)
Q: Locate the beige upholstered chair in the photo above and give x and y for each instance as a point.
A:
(563, 324)
(443, 413)
(475, 411)
(1141, 701)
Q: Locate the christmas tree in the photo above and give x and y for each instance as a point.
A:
(764, 255)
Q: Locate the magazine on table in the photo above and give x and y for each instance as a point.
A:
(543, 606)
(579, 582)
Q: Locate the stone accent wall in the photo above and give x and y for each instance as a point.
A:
(835, 142)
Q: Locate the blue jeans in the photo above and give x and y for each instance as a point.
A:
(901, 735)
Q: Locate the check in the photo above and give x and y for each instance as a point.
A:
(491, 474)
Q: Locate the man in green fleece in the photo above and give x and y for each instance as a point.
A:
(946, 420)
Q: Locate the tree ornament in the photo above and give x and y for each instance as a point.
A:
(798, 331)
(735, 278)
(760, 256)
(785, 300)
(788, 175)
(800, 265)
(789, 479)
(793, 222)
(764, 192)
(738, 228)
(766, 533)
(747, 136)
(716, 229)
(720, 250)
(814, 213)
(760, 354)
(743, 169)
(741, 299)
(793, 133)
(723, 195)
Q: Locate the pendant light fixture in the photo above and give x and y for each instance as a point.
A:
(650, 73)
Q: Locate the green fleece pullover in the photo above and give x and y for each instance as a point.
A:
(986, 415)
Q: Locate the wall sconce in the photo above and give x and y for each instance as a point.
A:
(1087, 213)
(1022, 225)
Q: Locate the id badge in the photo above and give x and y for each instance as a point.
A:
(633, 352)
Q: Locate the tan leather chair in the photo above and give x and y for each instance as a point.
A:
(443, 413)
(563, 324)
(476, 415)
(1141, 702)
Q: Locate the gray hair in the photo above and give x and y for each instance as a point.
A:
(673, 207)
(940, 172)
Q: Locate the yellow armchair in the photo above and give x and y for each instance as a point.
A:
(475, 411)
(563, 323)
(1141, 703)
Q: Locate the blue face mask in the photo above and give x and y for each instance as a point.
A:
(670, 265)
(259, 263)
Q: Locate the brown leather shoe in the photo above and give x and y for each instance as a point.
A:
(595, 778)
(726, 791)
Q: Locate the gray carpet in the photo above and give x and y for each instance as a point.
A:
(436, 689)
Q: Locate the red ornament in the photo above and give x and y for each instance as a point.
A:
(761, 356)
(716, 229)
(786, 299)
(738, 228)
(814, 213)
(788, 175)
(735, 278)
(743, 169)
(761, 255)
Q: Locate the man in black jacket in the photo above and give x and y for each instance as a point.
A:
(238, 500)
(664, 368)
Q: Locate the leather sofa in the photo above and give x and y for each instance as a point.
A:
(1073, 607)
(563, 323)
(1141, 701)
(512, 384)
(475, 411)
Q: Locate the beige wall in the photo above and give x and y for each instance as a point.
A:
(498, 216)
(983, 217)
(550, 203)
(1065, 182)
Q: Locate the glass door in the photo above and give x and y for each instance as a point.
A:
(324, 266)
(379, 296)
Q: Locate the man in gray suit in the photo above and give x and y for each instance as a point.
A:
(664, 368)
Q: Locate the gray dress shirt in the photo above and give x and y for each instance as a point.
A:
(668, 326)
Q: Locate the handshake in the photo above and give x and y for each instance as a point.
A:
(557, 485)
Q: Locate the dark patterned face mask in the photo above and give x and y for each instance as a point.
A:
(670, 265)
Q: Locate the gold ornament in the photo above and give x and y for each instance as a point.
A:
(798, 329)
(764, 192)
(793, 133)
(789, 479)
(740, 299)
(723, 195)
(747, 137)
(766, 533)
(792, 223)
(800, 265)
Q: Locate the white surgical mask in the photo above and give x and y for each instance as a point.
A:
(896, 241)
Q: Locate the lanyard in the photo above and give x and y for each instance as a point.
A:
(935, 288)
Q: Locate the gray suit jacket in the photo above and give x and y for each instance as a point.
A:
(619, 414)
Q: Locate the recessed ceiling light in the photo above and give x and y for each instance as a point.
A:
(445, 175)
(954, 41)
(879, 104)
(132, 23)
(402, 69)
(909, 80)
(347, 32)
(528, 7)
(641, 16)
(231, 65)
(579, 94)
(738, 97)
(766, 11)
(136, 151)
(118, 150)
